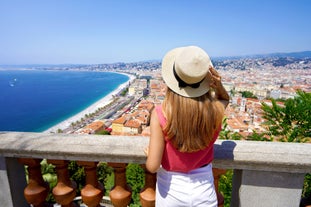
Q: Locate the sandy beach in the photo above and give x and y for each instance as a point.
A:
(92, 108)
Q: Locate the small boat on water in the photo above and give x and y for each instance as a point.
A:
(13, 82)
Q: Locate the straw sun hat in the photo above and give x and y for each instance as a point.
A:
(185, 69)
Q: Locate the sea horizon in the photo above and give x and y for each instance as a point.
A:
(36, 100)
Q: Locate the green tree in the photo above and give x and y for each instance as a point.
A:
(103, 173)
(248, 94)
(224, 133)
(232, 92)
(225, 187)
(77, 174)
(135, 177)
(103, 132)
(109, 183)
(307, 186)
(291, 122)
(124, 92)
(255, 136)
(49, 176)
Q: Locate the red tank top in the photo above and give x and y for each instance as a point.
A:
(176, 161)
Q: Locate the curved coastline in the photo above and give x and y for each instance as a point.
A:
(92, 108)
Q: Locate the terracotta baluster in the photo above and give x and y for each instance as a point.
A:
(37, 190)
(217, 173)
(65, 190)
(147, 194)
(93, 191)
(120, 195)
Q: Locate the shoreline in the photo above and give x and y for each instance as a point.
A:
(92, 108)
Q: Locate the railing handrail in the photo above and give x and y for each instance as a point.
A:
(250, 155)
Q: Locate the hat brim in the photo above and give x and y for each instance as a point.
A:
(172, 83)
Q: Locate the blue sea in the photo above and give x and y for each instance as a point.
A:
(35, 100)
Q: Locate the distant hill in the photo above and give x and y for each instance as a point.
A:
(299, 55)
(303, 54)
(303, 59)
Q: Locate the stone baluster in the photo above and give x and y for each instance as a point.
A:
(65, 190)
(93, 191)
(217, 173)
(120, 195)
(147, 194)
(37, 190)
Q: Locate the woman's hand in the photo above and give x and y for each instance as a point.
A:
(220, 92)
(215, 78)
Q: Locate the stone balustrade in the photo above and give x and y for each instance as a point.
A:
(265, 173)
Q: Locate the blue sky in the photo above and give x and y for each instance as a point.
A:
(108, 31)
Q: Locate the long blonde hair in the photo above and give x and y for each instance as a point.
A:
(191, 122)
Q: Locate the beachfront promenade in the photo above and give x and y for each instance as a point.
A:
(110, 104)
(264, 173)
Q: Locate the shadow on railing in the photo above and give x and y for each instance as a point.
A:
(265, 173)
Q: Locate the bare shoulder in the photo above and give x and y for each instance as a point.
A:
(154, 120)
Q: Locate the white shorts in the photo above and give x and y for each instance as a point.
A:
(195, 188)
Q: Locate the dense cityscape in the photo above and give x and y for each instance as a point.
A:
(263, 77)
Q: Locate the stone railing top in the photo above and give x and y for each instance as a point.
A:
(125, 149)
(267, 156)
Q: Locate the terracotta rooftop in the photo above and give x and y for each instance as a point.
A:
(133, 123)
(120, 120)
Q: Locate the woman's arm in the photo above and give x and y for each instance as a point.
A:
(156, 144)
(220, 92)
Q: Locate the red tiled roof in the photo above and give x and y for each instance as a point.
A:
(120, 120)
(133, 123)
